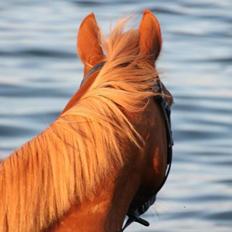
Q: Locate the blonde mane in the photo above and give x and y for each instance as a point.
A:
(67, 162)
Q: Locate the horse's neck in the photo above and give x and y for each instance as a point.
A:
(104, 213)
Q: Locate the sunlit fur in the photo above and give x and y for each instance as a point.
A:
(66, 162)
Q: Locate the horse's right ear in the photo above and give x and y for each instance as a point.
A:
(150, 40)
(89, 42)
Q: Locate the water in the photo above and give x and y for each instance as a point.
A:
(39, 72)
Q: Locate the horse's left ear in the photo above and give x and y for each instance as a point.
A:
(150, 41)
(89, 42)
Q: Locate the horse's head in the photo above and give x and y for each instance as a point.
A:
(151, 121)
(107, 154)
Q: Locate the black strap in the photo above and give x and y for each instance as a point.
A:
(134, 215)
(94, 69)
(132, 219)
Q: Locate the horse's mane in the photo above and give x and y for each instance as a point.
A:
(66, 163)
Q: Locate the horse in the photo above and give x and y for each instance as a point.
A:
(108, 152)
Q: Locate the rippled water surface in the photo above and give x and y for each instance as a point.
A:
(39, 72)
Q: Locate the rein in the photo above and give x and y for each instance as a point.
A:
(134, 213)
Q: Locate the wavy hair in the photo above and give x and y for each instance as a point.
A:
(68, 161)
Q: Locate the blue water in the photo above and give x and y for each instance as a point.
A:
(39, 71)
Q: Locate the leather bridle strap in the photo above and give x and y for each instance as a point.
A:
(94, 69)
(134, 214)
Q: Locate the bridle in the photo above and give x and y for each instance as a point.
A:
(134, 213)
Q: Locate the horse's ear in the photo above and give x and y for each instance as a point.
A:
(150, 41)
(89, 41)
